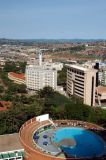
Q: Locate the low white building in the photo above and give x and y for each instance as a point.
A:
(101, 95)
(33, 60)
(56, 65)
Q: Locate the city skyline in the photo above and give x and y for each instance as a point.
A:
(58, 19)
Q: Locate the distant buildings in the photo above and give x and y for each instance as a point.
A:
(102, 73)
(102, 76)
(56, 65)
(101, 68)
(2, 62)
(81, 82)
(18, 78)
(34, 60)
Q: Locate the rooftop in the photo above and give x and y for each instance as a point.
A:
(4, 105)
(12, 155)
(101, 89)
(79, 67)
(17, 75)
(10, 142)
(3, 108)
(39, 68)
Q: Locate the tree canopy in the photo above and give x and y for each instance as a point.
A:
(61, 79)
(45, 101)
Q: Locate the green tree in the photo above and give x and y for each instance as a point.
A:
(61, 79)
(1, 89)
(45, 92)
(17, 88)
(10, 67)
(22, 66)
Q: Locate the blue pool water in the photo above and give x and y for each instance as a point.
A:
(88, 144)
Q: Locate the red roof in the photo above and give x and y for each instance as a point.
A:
(4, 105)
(3, 108)
(18, 75)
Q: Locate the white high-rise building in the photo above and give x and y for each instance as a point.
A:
(39, 76)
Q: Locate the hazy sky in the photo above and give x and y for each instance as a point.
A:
(52, 19)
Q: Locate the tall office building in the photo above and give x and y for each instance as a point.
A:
(81, 82)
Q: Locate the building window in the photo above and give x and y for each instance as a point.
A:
(92, 91)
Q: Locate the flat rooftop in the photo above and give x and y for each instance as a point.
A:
(10, 142)
(40, 68)
(101, 89)
(79, 67)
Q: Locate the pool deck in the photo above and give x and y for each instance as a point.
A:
(49, 148)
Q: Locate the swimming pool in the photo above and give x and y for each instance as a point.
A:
(84, 143)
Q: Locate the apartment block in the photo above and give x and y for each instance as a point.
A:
(81, 82)
(38, 77)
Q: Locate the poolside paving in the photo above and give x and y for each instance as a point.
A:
(50, 147)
